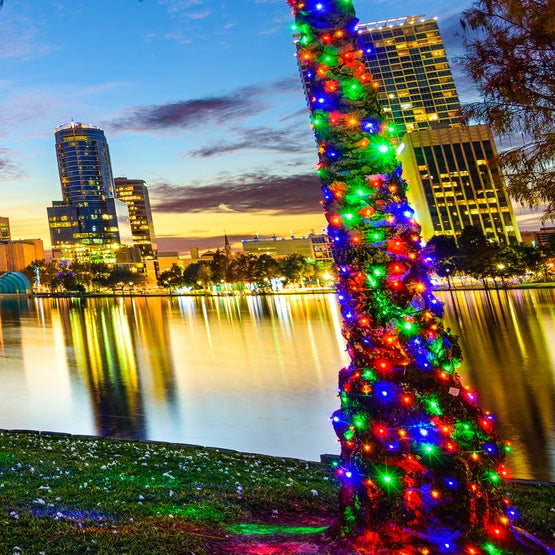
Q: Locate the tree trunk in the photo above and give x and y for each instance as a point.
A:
(421, 466)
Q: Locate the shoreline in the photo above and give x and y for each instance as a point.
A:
(325, 461)
(315, 291)
(63, 493)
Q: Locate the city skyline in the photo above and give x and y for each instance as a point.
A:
(203, 103)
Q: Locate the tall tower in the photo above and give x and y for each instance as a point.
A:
(89, 217)
(135, 195)
(407, 57)
(453, 180)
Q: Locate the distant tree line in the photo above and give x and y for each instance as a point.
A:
(245, 271)
(471, 255)
(79, 277)
(474, 255)
(238, 272)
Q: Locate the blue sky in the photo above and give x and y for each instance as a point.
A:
(201, 98)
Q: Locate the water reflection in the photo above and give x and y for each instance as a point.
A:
(256, 373)
(508, 340)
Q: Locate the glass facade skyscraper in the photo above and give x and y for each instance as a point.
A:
(135, 195)
(449, 166)
(453, 184)
(89, 215)
(407, 58)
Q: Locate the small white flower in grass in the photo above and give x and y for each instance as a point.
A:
(314, 492)
(172, 493)
(39, 501)
(141, 497)
(14, 514)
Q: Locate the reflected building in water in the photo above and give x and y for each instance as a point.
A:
(509, 356)
(256, 374)
(99, 338)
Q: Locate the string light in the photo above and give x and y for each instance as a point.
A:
(411, 434)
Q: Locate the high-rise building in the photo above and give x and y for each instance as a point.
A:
(407, 58)
(453, 181)
(5, 234)
(450, 168)
(89, 219)
(135, 195)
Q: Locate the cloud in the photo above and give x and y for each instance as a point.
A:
(260, 138)
(8, 168)
(202, 242)
(181, 8)
(186, 114)
(20, 38)
(250, 192)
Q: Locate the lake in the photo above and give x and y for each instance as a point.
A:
(255, 374)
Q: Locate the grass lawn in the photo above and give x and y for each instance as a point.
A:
(62, 494)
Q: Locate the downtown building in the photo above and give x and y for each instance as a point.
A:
(314, 246)
(134, 193)
(90, 223)
(453, 181)
(5, 233)
(17, 254)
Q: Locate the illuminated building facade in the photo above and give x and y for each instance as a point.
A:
(135, 195)
(17, 255)
(448, 165)
(5, 234)
(453, 184)
(316, 247)
(89, 219)
(407, 58)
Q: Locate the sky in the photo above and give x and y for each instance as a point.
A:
(200, 98)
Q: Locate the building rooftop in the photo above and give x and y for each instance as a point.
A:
(75, 125)
(393, 22)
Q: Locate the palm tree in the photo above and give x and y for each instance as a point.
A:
(421, 467)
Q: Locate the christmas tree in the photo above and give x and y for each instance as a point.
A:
(421, 467)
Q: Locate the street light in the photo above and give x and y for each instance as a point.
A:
(501, 267)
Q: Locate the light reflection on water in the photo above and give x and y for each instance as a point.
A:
(253, 373)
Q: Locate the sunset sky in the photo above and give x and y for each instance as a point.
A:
(200, 98)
